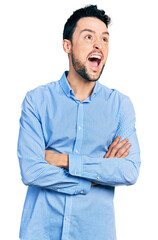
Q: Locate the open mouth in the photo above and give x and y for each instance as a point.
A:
(94, 61)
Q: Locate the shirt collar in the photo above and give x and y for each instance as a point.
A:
(68, 90)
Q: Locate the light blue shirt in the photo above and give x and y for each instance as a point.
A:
(61, 204)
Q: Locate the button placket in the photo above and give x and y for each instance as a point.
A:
(67, 218)
(79, 133)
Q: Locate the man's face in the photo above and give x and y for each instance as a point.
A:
(89, 48)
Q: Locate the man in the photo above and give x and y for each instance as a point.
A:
(77, 141)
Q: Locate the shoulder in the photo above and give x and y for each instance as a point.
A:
(113, 94)
(42, 91)
(41, 95)
(118, 101)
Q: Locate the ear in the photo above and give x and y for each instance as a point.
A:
(67, 46)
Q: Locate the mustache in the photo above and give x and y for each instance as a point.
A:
(95, 51)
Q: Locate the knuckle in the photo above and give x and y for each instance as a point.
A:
(118, 154)
(125, 154)
(116, 147)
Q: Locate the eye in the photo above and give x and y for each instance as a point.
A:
(105, 40)
(89, 37)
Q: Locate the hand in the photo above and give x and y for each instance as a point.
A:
(93, 184)
(114, 149)
(57, 159)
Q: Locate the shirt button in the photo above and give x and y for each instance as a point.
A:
(82, 192)
(75, 172)
(79, 128)
(66, 218)
(58, 189)
(76, 150)
(98, 177)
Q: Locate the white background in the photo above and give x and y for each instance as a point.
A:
(31, 54)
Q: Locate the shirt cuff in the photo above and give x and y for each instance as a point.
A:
(75, 169)
(75, 164)
(84, 186)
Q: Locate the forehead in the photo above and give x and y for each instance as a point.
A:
(91, 23)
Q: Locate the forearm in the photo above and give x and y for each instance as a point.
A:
(105, 171)
(51, 177)
(57, 159)
(113, 170)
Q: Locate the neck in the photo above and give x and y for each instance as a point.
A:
(80, 86)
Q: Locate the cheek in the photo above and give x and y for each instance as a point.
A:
(89, 46)
(82, 56)
(105, 52)
(80, 51)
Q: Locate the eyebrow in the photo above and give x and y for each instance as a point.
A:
(89, 30)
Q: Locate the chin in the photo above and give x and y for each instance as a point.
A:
(93, 79)
(94, 76)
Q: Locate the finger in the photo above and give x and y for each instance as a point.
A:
(123, 150)
(93, 184)
(116, 148)
(106, 155)
(125, 154)
(117, 139)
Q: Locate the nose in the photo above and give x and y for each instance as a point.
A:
(97, 44)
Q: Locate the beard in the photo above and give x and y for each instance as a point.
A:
(82, 70)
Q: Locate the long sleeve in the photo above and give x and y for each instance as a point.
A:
(112, 171)
(31, 153)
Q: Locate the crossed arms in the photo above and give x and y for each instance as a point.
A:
(117, 149)
(71, 173)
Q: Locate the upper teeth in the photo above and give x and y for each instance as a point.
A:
(95, 56)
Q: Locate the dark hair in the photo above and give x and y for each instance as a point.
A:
(88, 11)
